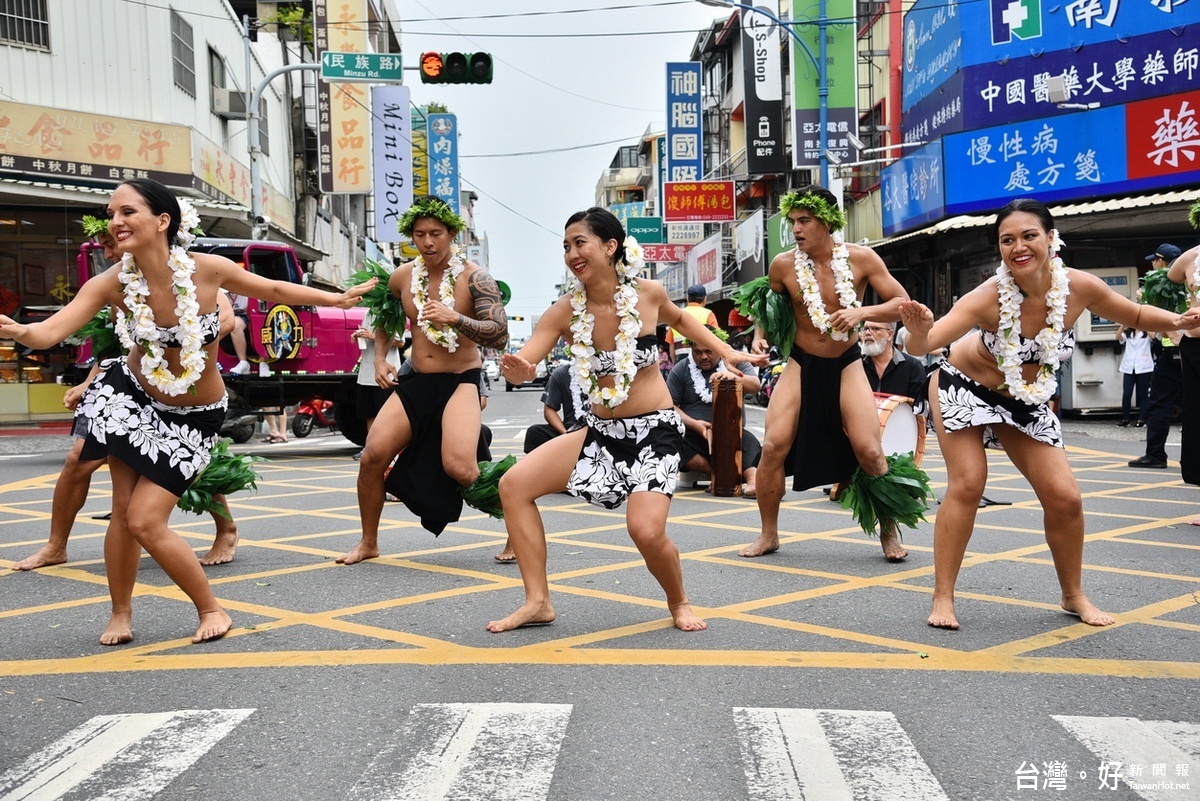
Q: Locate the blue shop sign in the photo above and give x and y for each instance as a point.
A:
(913, 189)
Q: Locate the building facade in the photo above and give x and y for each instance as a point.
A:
(135, 89)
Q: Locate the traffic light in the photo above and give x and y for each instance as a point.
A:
(456, 67)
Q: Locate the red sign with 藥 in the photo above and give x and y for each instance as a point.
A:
(698, 201)
(1160, 136)
(665, 252)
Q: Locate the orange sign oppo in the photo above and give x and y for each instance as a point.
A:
(698, 201)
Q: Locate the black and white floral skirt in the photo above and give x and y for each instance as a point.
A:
(170, 445)
(966, 403)
(628, 454)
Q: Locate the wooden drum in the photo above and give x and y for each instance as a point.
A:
(725, 449)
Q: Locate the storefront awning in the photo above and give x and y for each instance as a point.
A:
(1139, 202)
(42, 193)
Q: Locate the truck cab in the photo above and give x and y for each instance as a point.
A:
(298, 352)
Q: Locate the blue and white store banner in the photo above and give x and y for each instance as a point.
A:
(443, 159)
(1135, 147)
(978, 64)
(913, 189)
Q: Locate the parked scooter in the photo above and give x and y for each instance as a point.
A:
(312, 412)
(240, 421)
(770, 377)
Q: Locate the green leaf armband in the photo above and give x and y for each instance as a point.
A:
(898, 497)
(770, 310)
(384, 308)
(1159, 290)
(225, 474)
(484, 494)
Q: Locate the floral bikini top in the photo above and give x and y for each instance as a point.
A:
(1029, 351)
(210, 329)
(605, 362)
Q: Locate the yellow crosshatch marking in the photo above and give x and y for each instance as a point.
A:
(826, 600)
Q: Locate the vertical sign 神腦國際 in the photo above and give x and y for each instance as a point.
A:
(685, 153)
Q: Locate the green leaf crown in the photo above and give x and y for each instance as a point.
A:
(821, 208)
(434, 208)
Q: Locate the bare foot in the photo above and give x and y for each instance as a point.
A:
(357, 554)
(686, 619)
(507, 555)
(119, 630)
(942, 615)
(1195, 522)
(1086, 611)
(765, 544)
(749, 491)
(213, 626)
(893, 551)
(530, 614)
(44, 558)
(223, 549)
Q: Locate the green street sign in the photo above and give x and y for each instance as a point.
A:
(361, 67)
(646, 230)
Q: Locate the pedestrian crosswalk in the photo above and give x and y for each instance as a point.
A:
(131, 757)
(510, 752)
(501, 752)
(830, 755)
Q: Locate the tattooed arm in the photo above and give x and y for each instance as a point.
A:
(489, 326)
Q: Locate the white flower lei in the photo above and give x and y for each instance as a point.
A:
(703, 388)
(1009, 333)
(843, 281)
(629, 326)
(446, 336)
(189, 223)
(145, 330)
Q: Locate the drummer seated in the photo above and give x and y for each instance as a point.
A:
(890, 370)
(690, 384)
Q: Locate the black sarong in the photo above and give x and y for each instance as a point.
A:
(170, 445)
(821, 452)
(418, 478)
(1189, 455)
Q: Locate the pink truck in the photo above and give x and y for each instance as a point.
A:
(298, 352)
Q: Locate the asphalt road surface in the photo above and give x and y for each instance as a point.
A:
(817, 679)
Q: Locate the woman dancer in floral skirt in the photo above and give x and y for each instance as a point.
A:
(157, 413)
(995, 387)
(627, 447)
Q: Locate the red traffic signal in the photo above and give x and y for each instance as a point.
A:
(456, 67)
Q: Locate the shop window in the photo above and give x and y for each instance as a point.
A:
(183, 54)
(25, 23)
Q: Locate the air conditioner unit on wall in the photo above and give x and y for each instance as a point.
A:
(229, 104)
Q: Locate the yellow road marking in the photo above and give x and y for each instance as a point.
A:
(291, 478)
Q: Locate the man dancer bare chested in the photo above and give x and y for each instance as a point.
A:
(455, 306)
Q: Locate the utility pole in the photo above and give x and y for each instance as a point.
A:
(257, 218)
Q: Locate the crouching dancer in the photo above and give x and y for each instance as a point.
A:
(822, 425)
(156, 414)
(456, 306)
(627, 447)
